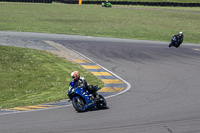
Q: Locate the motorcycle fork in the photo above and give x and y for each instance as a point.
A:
(80, 102)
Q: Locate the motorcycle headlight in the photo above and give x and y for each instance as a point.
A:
(70, 91)
(73, 90)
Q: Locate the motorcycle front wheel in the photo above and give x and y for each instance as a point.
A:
(170, 44)
(78, 104)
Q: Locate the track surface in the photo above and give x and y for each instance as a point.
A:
(164, 96)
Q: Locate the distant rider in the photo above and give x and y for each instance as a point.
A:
(80, 82)
(105, 3)
(179, 37)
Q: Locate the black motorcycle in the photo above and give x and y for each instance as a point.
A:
(174, 42)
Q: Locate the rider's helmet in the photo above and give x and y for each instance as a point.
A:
(75, 75)
(180, 34)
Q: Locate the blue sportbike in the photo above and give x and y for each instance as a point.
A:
(83, 99)
(174, 42)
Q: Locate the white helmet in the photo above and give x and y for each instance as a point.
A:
(180, 33)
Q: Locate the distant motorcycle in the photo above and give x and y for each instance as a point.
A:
(174, 42)
(106, 4)
(83, 99)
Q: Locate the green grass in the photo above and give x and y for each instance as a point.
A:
(133, 22)
(31, 77)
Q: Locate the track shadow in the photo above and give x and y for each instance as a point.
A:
(93, 109)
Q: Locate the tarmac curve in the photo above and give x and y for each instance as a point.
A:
(163, 98)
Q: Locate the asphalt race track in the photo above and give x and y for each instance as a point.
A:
(164, 96)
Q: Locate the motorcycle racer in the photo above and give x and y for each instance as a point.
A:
(80, 82)
(179, 36)
(106, 4)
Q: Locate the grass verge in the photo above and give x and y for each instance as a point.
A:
(31, 77)
(133, 22)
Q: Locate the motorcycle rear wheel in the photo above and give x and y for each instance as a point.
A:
(178, 45)
(101, 102)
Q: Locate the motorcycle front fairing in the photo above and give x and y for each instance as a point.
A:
(88, 97)
(75, 91)
(174, 40)
(72, 86)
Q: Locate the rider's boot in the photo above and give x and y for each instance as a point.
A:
(96, 96)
